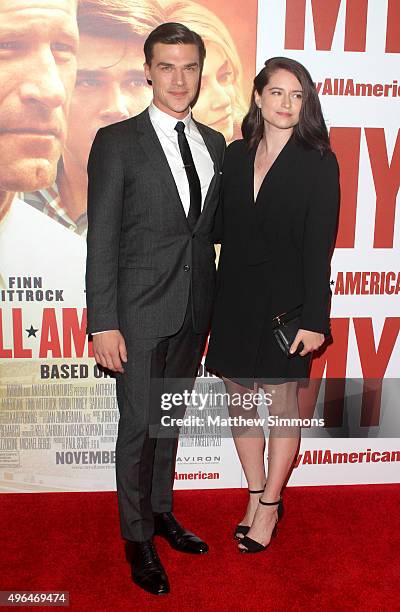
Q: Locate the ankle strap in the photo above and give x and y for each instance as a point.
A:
(269, 503)
(259, 491)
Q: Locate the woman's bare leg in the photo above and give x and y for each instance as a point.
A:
(282, 447)
(250, 445)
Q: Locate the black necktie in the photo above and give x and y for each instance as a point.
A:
(192, 176)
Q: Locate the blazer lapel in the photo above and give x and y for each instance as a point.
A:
(151, 145)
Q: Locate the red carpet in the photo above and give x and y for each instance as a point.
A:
(337, 549)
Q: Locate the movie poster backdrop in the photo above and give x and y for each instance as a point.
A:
(58, 412)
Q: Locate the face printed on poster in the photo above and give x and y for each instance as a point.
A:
(38, 46)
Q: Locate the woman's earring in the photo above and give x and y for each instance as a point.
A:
(259, 117)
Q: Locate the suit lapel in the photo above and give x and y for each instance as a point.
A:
(151, 145)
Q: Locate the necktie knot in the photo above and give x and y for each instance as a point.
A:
(180, 127)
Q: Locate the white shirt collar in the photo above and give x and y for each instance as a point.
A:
(166, 122)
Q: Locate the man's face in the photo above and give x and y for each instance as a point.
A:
(175, 74)
(110, 87)
(38, 45)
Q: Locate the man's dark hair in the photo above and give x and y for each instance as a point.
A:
(173, 34)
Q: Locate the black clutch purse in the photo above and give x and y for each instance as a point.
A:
(285, 327)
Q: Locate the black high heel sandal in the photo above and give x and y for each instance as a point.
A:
(244, 529)
(251, 545)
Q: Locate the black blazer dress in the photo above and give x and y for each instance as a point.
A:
(275, 255)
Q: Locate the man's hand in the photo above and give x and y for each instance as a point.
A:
(311, 341)
(110, 350)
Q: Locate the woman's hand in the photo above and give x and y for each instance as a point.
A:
(311, 340)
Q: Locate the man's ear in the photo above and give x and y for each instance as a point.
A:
(146, 69)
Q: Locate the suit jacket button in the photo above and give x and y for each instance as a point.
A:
(186, 267)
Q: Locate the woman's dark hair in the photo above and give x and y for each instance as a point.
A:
(311, 129)
(173, 34)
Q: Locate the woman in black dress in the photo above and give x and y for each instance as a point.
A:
(276, 224)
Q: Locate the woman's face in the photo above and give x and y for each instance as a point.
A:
(214, 106)
(281, 100)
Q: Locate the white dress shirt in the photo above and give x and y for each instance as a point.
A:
(164, 126)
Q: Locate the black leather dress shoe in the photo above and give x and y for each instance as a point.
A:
(166, 526)
(147, 570)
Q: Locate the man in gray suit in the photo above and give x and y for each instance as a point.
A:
(152, 194)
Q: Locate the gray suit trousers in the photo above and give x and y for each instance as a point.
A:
(145, 461)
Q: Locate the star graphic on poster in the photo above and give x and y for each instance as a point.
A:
(332, 282)
(31, 331)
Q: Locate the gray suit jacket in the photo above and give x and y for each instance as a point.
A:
(142, 257)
